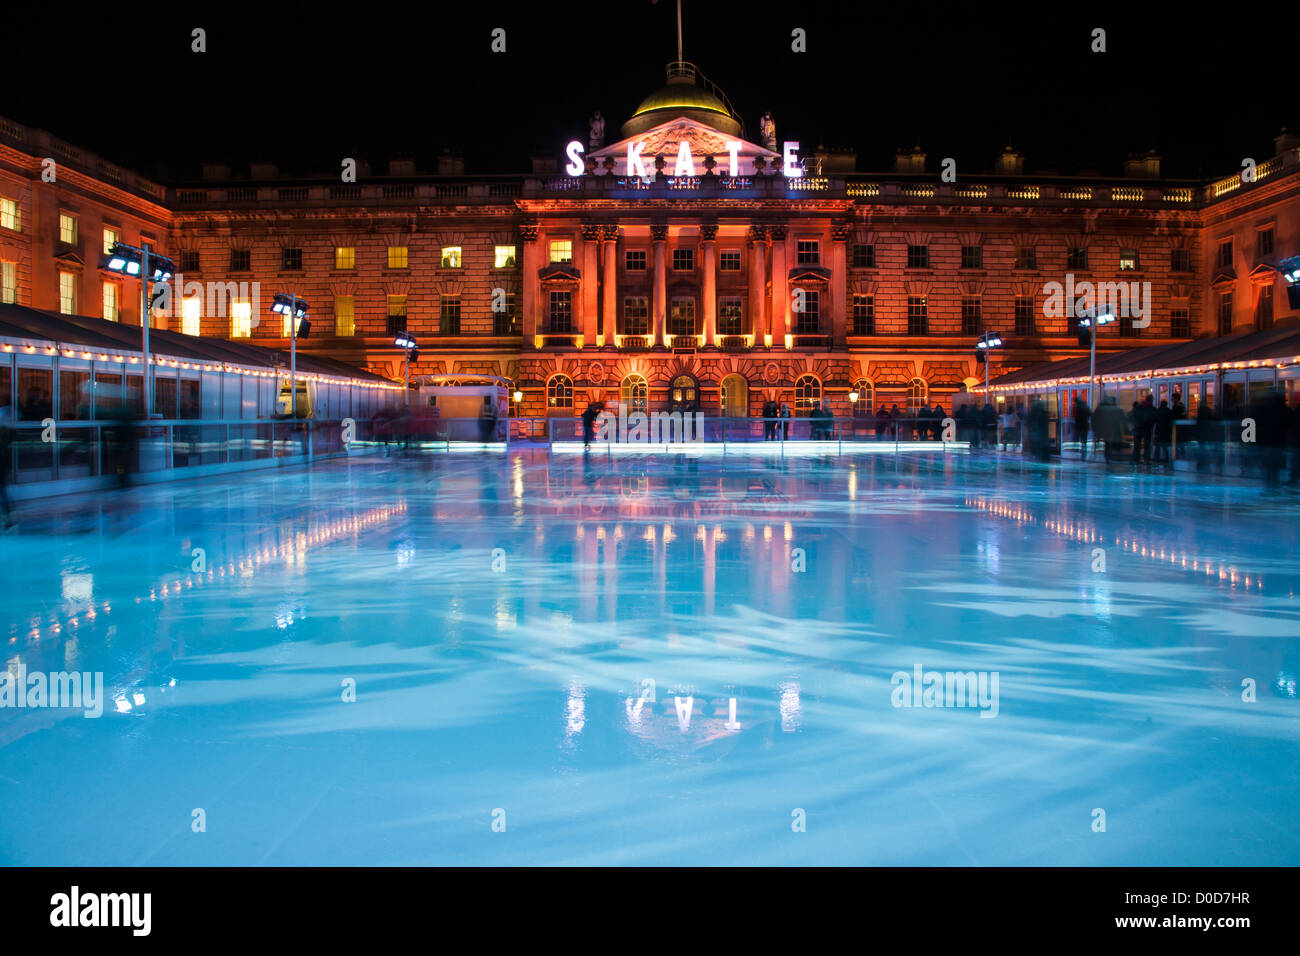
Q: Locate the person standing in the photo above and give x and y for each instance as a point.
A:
(487, 421)
(1082, 422)
(1162, 435)
(785, 422)
(1144, 423)
(1108, 426)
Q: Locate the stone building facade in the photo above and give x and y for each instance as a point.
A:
(721, 278)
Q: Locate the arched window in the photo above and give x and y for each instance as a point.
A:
(866, 403)
(559, 392)
(735, 396)
(684, 395)
(635, 394)
(807, 393)
(917, 393)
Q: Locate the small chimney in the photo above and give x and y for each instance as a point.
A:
(1009, 162)
(1143, 165)
(910, 160)
(401, 167)
(215, 172)
(834, 160)
(264, 171)
(1286, 139)
(545, 164)
(449, 165)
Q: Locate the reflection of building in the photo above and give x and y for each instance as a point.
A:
(690, 286)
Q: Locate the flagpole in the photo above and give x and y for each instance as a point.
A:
(679, 31)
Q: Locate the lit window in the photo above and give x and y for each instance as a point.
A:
(917, 395)
(635, 261)
(8, 282)
(111, 238)
(241, 319)
(344, 315)
(559, 392)
(191, 315)
(807, 393)
(561, 250)
(866, 403)
(10, 215)
(728, 260)
(807, 252)
(110, 302)
(67, 293)
(67, 229)
(503, 257)
(397, 257)
(1128, 260)
(635, 394)
(396, 314)
(451, 257)
(345, 257)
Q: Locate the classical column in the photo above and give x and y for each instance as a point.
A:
(839, 283)
(528, 235)
(758, 282)
(609, 285)
(659, 233)
(589, 288)
(708, 262)
(780, 287)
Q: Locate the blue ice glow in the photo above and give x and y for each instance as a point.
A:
(617, 652)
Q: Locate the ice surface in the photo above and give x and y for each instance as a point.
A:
(517, 689)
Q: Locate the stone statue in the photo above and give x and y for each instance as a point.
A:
(767, 130)
(596, 139)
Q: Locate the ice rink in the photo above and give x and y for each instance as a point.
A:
(544, 654)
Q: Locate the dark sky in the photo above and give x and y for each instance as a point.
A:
(305, 86)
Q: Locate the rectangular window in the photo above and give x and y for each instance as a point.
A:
(731, 319)
(1180, 323)
(807, 321)
(290, 260)
(506, 321)
(918, 257)
(1128, 260)
(807, 252)
(241, 319)
(67, 293)
(918, 316)
(1025, 324)
(1076, 257)
(451, 257)
(397, 257)
(10, 215)
(561, 313)
(729, 260)
(345, 257)
(681, 316)
(111, 238)
(561, 250)
(503, 257)
(67, 229)
(636, 315)
(683, 260)
(1180, 260)
(396, 318)
(191, 315)
(864, 315)
(864, 255)
(449, 315)
(1225, 313)
(971, 315)
(634, 260)
(1224, 260)
(972, 257)
(1264, 242)
(110, 302)
(345, 315)
(189, 261)
(1027, 258)
(8, 282)
(240, 260)
(1264, 307)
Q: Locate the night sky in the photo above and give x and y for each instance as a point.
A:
(305, 86)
